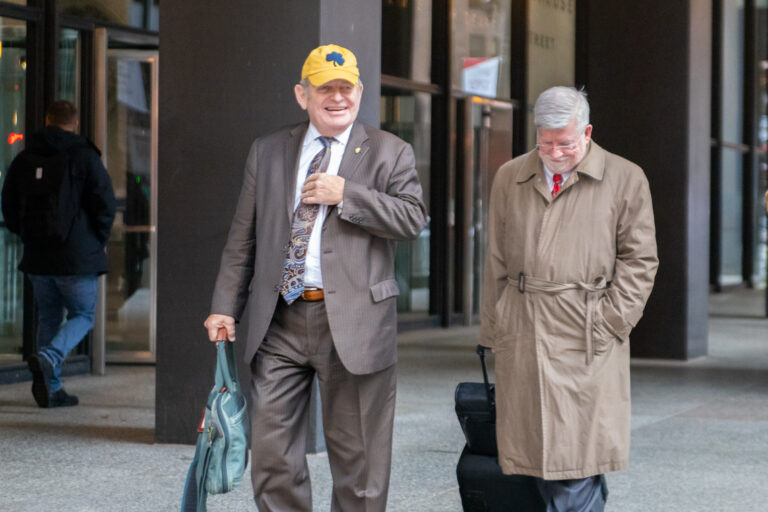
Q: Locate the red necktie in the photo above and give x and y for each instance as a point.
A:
(557, 178)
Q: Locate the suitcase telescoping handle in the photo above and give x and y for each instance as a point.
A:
(491, 401)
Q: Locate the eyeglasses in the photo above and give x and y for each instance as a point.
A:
(548, 147)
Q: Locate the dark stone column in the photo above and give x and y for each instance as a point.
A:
(647, 72)
(226, 77)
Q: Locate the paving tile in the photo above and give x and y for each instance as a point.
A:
(699, 436)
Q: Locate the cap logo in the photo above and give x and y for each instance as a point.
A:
(336, 58)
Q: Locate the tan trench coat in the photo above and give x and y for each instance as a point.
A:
(588, 261)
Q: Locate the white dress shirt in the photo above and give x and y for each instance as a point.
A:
(550, 178)
(313, 277)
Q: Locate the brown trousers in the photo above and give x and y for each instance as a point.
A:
(358, 416)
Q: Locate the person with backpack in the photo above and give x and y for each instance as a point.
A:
(58, 197)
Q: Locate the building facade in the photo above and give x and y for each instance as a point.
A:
(677, 87)
(103, 57)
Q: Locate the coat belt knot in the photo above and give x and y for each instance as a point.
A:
(530, 284)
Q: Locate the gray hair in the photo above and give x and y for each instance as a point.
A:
(557, 106)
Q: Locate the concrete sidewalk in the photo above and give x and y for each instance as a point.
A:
(699, 440)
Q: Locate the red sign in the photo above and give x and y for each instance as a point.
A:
(13, 137)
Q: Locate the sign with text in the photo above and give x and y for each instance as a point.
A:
(480, 75)
(551, 50)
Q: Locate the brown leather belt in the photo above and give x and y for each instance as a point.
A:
(312, 294)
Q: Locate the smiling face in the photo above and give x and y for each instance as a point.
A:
(563, 149)
(332, 107)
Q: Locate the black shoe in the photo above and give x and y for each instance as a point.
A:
(42, 372)
(62, 399)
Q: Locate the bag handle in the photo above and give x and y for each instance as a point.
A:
(195, 494)
(491, 402)
(226, 366)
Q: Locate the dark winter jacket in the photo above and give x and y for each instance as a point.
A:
(83, 252)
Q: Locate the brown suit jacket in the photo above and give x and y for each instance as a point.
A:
(382, 204)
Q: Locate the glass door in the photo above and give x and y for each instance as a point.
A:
(407, 114)
(70, 79)
(13, 85)
(486, 128)
(127, 120)
(739, 239)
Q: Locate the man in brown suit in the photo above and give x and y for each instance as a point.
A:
(571, 263)
(311, 249)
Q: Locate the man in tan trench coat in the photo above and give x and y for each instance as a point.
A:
(571, 263)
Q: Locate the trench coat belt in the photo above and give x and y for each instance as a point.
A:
(593, 290)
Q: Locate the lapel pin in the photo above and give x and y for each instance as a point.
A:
(357, 150)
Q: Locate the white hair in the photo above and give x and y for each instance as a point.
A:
(558, 106)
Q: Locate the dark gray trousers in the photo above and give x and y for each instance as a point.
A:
(358, 416)
(577, 495)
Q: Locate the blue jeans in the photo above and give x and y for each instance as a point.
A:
(54, 294)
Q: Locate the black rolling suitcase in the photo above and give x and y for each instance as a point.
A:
(476, 410)
(482, 485)
(484, 488)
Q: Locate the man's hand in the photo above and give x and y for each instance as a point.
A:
(214, 322)
(321, 188)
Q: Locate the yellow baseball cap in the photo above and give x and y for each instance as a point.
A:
(330, 62)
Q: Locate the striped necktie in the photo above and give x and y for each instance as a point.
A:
(303, 221)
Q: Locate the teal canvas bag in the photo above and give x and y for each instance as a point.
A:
(221, 453)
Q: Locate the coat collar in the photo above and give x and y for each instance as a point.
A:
(592, 165)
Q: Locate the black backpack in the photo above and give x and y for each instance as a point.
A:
(49, 197)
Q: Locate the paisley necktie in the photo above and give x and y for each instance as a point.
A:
(303, 221)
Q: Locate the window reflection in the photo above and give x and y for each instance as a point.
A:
(13, 84)
(406, 39)
(761, 226)
(135, 13)
(129, 163)
(69, 66)
(551, 50)
(481, 35)
(731, 159)
(407, 114)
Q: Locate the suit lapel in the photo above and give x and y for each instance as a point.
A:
(291, 152)
(357, 147)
